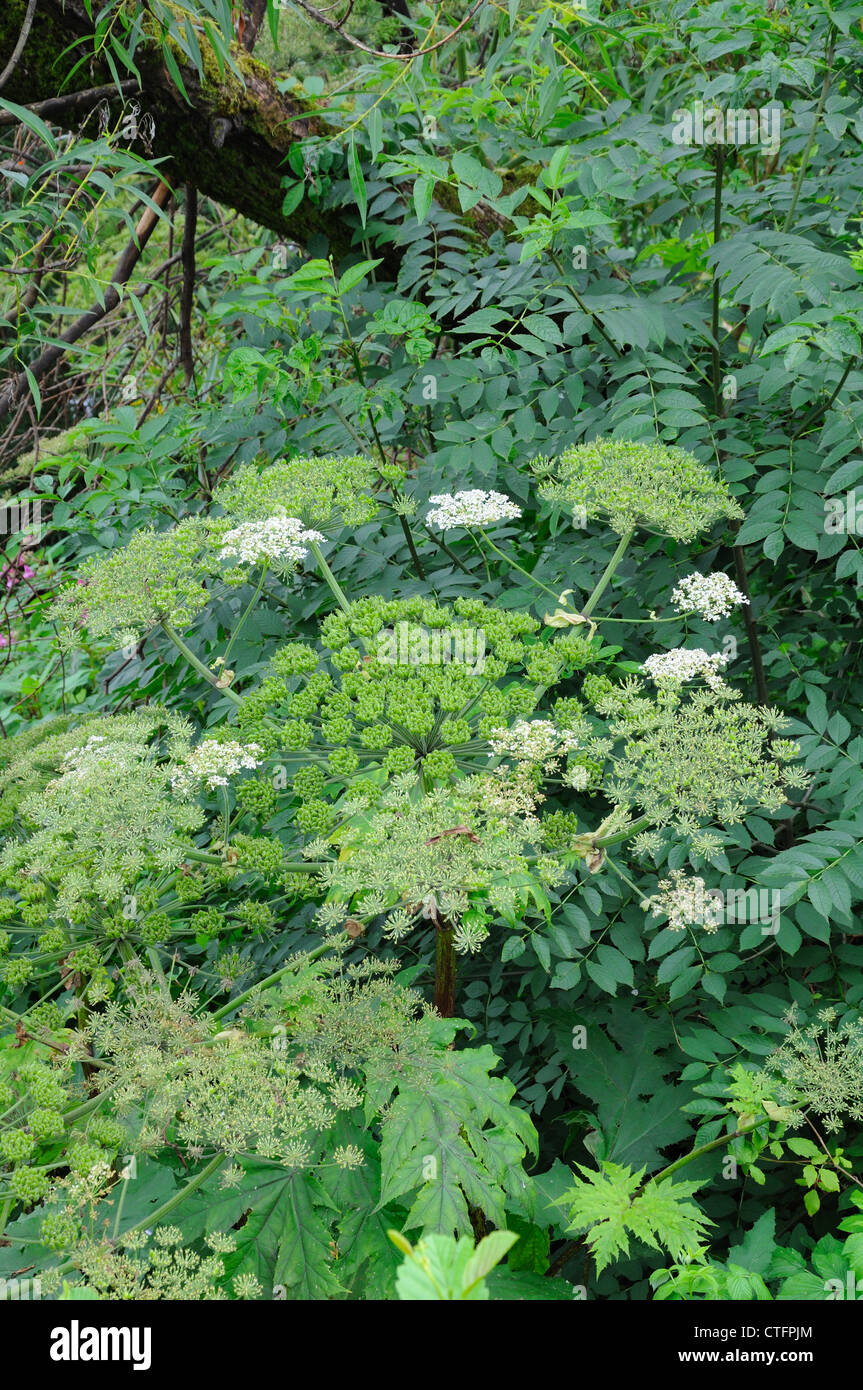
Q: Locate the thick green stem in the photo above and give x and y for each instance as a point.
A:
(608, 573)
(442, 545)
(758, 673)
(706, 1148)
(604, 841)
(304, 866)
(198, 665)
(417, 563)
(270, 980)
(329, 578)
(238, 629)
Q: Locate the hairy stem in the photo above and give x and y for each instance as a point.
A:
(444, 970)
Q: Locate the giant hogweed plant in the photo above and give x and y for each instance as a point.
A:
(383, 788)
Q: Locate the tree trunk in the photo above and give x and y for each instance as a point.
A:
(230, 143)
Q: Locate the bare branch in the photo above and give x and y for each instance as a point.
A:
(19, 47)
(17, 388)
(336, 26)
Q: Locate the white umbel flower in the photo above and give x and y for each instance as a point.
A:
(711, 596)
(532, 740)
(686, 664)
(280, 538)
(470, 509)
(212, 763)
(687, 902)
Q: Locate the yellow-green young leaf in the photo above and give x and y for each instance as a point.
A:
(376, 127)
(812, 1202)
(612, 1206)
(171, 65)
(311, 277)
(37, 395)
(354, 274)
(552, 177)
(488, 1253)
(400, 1242)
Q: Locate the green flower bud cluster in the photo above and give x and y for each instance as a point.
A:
(43, 1087)
(258, 798)
(45, 1124)
(657, 486)
(559, 829)
(189, 888)
(208, 922)
(255, 915)
(261, 854)
(60, 1229)
(29, 1185)
(320, 492)
(16, 1145)
(48, 1015)
(405, 683)
(117, 927)
(294, 659)
(53, 940)
(691, 759)
(105, 1130)
(16, 972)
(594, 687)
(314, 817)
(299, 885)
(155, 929)
(35, 913)
(33, 890)
(160, 576)
(107, 815)
(83, 1157)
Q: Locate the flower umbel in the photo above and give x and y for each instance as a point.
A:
(686, 664)
(280, 539)
(470, 509)
(686, 902)
(634, 484)
(711, 596)
(212, 762)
